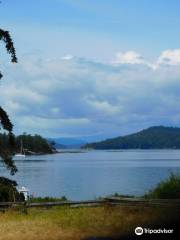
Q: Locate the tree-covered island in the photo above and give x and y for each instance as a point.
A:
(30, 144)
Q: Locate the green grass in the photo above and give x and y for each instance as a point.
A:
(47, 199)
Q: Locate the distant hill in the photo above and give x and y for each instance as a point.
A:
(158, 137)
(67, 142)
(55, 144)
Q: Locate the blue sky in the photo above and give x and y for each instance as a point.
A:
(104, 26)
(91, 69)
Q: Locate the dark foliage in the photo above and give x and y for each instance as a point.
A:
(6, 38)
(8, 191)
(35, 144)
(7, 146)
(152, 138)
(31, 144)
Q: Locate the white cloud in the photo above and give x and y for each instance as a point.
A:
(29, 95)
(103, 107)
(169, 57)
(67, 57)
(130, 57)
(81, 97)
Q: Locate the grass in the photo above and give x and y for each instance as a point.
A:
(67, 223)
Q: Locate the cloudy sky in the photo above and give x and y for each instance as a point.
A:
(91, 69)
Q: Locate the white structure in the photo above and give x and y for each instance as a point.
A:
(22, 153)
(25, 191)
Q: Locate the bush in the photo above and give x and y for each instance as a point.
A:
(47, 199)
(8, 191)
(169, 188)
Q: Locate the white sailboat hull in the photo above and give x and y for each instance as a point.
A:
(20, 155)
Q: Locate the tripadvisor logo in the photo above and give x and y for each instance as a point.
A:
(140, 230)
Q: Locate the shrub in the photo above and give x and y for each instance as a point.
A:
(8, 191)
(169, 188)
(47, 199)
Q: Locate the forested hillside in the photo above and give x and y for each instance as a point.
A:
(152, 138)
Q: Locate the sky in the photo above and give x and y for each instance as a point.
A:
(91, 69)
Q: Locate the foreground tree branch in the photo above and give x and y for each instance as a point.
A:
(7, 145)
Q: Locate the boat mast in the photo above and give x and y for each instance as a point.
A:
(22, 150)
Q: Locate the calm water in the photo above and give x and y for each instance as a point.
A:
(95, 173)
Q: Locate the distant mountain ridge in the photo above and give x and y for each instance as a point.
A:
(157, 137)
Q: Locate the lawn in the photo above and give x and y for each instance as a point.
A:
(81, 223)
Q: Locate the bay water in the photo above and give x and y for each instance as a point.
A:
(91, 174)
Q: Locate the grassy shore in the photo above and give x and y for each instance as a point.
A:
(66, 223)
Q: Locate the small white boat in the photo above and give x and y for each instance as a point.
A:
(22, 153)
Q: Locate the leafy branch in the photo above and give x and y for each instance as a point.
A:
(7, 146)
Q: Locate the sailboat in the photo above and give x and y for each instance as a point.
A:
(22, 153)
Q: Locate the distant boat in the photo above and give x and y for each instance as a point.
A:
(22, 153)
